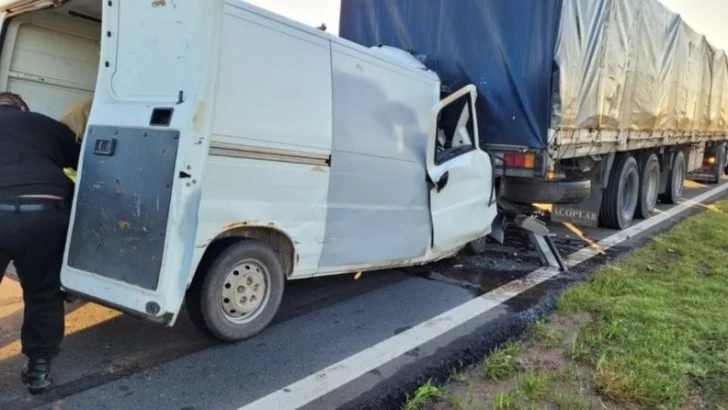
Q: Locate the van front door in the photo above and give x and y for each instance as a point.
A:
(461, 175)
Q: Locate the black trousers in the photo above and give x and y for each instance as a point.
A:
(34, 240)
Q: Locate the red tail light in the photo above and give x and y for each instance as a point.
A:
(520, 160)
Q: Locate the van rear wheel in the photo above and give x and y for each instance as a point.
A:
(240, 292)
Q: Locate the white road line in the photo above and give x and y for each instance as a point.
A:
(327, 380)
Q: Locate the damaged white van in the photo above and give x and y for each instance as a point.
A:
(230, 150)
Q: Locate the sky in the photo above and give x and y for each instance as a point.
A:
(709, 17)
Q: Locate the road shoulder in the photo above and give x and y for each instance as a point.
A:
(650, 331)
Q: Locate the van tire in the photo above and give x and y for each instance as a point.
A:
(623, 185)
(244, 275)
(675, 180)
(649, 181)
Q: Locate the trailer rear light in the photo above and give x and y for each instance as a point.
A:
(529, 160)
(520, 160)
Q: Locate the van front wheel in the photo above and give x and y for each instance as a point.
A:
(240, 292)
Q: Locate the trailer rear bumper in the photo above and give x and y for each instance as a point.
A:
(536, 190)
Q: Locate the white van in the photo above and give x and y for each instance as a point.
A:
(230, 150)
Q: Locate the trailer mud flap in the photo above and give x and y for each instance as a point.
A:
(123, 204)
(585, 214)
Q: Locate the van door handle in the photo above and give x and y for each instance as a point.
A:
(105, 147)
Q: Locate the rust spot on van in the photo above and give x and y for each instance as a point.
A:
(235, 225)
(123, 225)
(318, 168)
(159, 3)
(199, 117)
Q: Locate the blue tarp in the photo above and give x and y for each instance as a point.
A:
(504, 47)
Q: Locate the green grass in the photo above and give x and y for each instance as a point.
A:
(660, 326)
(539, 331)
(509, 400)
(501, 363)
(533, 385)
(563, 402)
(425, 394)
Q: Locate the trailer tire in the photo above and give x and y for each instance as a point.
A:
(649, 185)
(721, 162)
(239, 293)
(621, 195)
(675, 180)
(527, 191)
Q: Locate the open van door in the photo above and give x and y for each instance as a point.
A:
(461, 174)
(134, 220)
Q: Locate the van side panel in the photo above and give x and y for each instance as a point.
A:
(242, 192)
(271, 134)
(275, 85)
(378, 207)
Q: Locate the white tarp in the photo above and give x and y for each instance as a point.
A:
(633, 65)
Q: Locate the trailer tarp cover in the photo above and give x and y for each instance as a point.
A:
(633, 65)
(504, 47)
(560, 65)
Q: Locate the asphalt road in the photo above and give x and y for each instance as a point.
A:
(113, 362)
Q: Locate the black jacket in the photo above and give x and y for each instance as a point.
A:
(34, 150)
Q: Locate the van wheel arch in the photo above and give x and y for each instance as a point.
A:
(277, 241)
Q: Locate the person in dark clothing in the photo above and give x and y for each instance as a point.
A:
(34, 216)
(4, 263)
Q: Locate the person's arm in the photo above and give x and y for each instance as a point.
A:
(70, 148)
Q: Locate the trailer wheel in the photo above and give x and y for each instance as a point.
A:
(649, 183)
(721, 162)
(675, 180)
(621, 195)
(240, 292)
